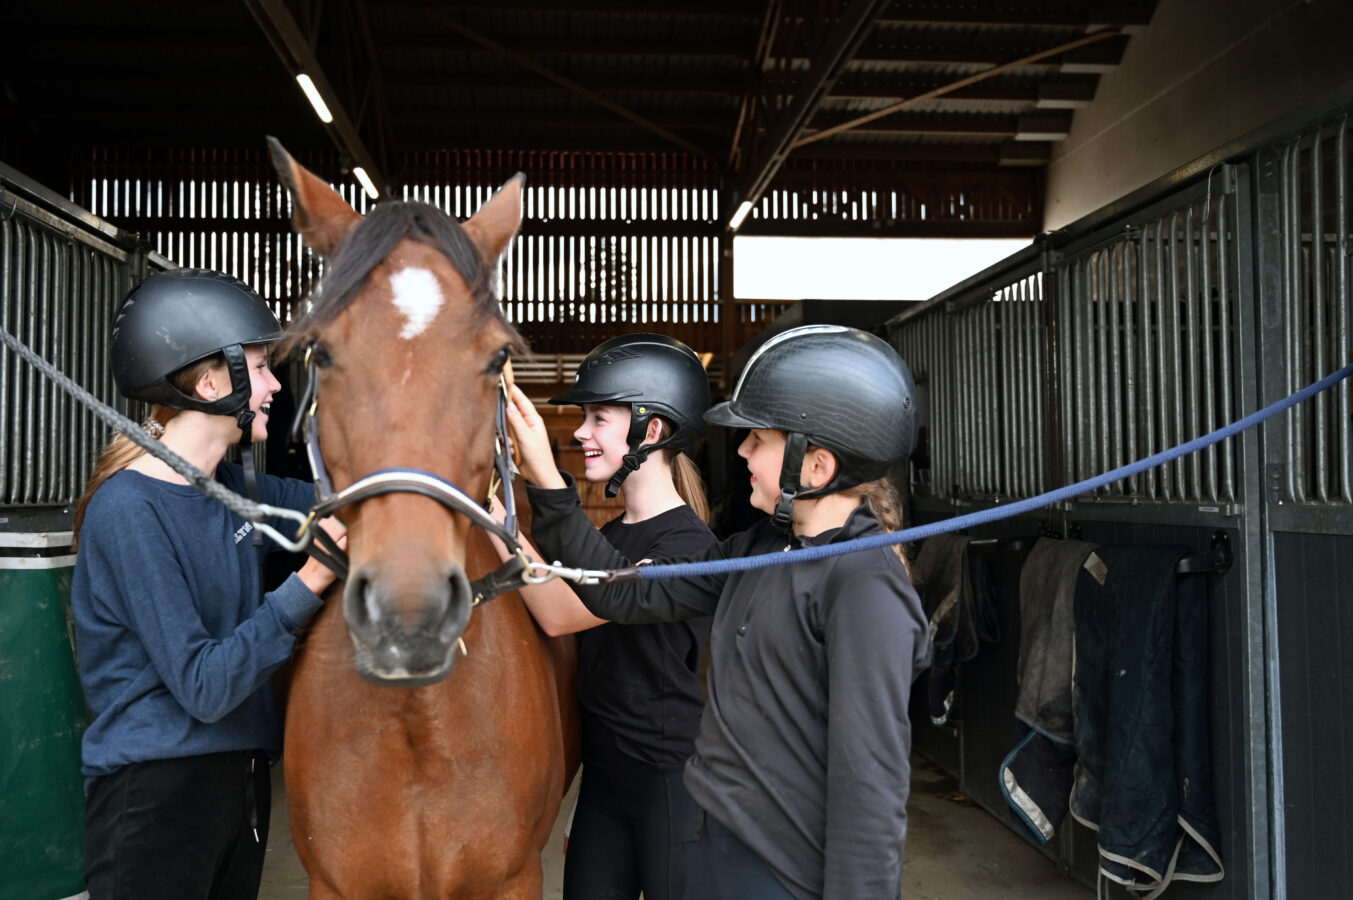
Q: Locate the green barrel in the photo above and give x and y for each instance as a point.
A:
(42, 718)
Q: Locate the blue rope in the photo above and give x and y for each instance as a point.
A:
(985, 516)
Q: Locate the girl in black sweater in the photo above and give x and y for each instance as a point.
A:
(642, 399)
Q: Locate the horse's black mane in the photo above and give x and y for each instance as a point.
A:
(372, 240)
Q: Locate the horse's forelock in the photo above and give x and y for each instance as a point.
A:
(371, 241)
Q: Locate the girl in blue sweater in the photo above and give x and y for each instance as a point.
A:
(177, 639)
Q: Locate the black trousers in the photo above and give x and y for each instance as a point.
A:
(194, 828)
(629, 833)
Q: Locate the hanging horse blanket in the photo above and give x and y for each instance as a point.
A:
(1143, 777)
(1036, 776)
(956, 591)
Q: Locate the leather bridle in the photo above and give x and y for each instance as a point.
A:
(516, 572)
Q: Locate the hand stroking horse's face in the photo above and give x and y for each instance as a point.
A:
(412, 345)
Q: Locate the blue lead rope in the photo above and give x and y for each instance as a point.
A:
(994, 514)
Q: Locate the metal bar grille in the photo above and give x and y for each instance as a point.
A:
(59, 285)
(981, 371)
(1149, 349)
(1317, 335)
(1145, 357)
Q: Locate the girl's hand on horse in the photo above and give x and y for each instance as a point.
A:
(531, 442)
(314, 573)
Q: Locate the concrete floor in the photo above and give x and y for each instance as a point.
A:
(955, 851)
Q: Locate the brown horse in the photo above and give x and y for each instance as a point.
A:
(426, 748)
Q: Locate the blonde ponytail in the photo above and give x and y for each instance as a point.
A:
(686, 477)
(121, 452)
(688, 483)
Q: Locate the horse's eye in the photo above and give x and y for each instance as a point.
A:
(499, 361)
(319, 354)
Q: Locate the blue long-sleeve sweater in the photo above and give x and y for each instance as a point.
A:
(176, 639)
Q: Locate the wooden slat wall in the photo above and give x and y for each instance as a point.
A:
(610, 243)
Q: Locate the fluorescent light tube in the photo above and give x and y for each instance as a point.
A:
(367, 184)
(744, 209)
(312, 94)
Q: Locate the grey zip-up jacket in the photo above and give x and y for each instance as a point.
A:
(804, 744)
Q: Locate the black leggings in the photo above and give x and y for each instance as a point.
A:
(629, 833)
(194, 828)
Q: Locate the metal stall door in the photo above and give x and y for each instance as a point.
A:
(983, 378)
(1301, 260)
(62, 272)
(1107, 344)
(1154, 329)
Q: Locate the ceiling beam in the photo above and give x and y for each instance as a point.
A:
(845, 38)
(911, 11)
(552, 117)
(603, 82)
(354, 25)
(902, 44)
(754, 91)
(1070, 91)
(946, 12)
(545, 72)
(701, 8)
(962, 82)
(687, 45)
(292, 48)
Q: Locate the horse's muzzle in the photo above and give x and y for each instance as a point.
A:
(406, 633)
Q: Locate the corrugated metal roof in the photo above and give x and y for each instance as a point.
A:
(745, 84)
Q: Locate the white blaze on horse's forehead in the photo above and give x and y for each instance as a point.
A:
(417, 295)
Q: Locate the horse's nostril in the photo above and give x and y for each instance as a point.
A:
(362, 603)
(458, 606)
(371, 604)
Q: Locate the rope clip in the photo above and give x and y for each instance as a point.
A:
(539, 573)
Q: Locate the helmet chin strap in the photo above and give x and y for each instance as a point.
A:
(791, 489)
(639, 451)
(236, 403)
(630, 463)
(245, 418)
(237, 366)
(796, 445)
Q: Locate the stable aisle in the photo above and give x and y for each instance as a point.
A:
(955, 851)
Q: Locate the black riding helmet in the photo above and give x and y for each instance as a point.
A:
(174, 319)
(829, 386)
(653, 375)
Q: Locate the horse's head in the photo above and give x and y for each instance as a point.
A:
(408, 347)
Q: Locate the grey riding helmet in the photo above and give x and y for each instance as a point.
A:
(174, 319)
(827, 386)
(652, 374)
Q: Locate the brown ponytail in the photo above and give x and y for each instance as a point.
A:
(886, 505)
(121, 452)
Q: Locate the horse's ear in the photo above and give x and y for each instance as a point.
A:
(492, 227)
(320, 215)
